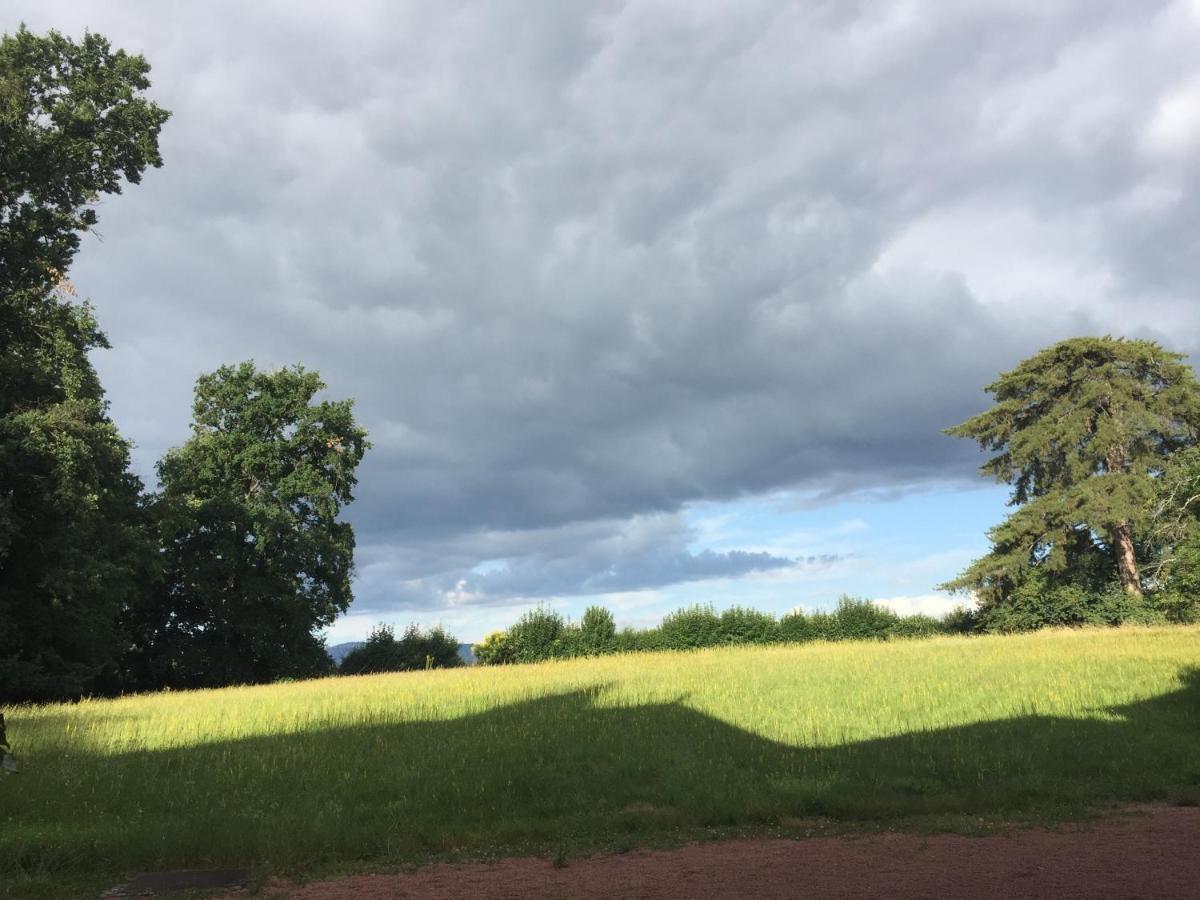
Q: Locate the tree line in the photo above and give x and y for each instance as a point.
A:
(227, 571)
(543, 633)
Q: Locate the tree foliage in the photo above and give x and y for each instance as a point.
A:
(74, 124)
(256, 557)
(74, 549)
(415, 649)
(541, 633)
(1176, 538)
(1081, 431)
(597, 630)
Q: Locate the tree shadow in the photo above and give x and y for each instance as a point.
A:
(567, 770)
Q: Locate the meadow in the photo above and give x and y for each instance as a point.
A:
(569, 757)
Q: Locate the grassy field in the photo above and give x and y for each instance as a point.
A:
(567, 757)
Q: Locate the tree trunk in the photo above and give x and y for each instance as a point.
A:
(1122, 541)
(1122, 535)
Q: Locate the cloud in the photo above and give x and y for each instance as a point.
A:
(936, 605)
(585, 264)
(601, 557)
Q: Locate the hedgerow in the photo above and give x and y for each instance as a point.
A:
(543, 634)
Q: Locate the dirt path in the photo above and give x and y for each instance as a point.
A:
(1152, 852)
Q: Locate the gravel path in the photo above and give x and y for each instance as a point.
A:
(1153, 852)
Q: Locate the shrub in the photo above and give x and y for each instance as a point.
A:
(533, 637)
(432, 649)
(823, 626)
(1176, 607)
(629, 640)
(857, 619)
(597, 631)
(747, 626)
(568, 644)
(687, 629)
(1045, 599)
(960, 620)
(915, 626)
(493, 650)
(416, 649)
(796, 628)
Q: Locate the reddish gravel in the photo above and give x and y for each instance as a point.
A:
(1152, 852)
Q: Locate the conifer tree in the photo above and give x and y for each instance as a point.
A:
(1081, 431)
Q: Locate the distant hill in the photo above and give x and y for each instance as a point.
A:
(339, 651)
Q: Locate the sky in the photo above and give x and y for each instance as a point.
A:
(646, 304)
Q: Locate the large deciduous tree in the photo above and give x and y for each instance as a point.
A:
(256, 557)
(1081, 431)
(73, 547)
(73, 124)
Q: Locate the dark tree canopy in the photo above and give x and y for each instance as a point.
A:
(256, 557)
(414, 649)
(74, 543)
(1081, 431)
(74, 546)
(73, 125)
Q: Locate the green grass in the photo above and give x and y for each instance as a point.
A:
(568, 757)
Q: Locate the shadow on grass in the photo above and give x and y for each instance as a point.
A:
(564, 772)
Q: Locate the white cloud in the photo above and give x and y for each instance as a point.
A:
(936, 605)
(1174, 129)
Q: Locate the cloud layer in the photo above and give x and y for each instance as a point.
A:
(584, 264)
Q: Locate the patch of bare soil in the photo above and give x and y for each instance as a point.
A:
(1151, 852)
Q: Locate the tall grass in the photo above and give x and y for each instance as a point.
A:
(600, 753)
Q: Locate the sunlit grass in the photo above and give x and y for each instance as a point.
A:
(599, 753)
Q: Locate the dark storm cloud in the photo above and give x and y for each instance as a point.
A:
(582, 264)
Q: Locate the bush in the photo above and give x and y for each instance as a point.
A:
(1175, 607)
(568, 644)
(493, 650)
(533, 637)
(416, 649)
(960, 620)
(629, 640)
(856, 619)
(1046, 599)
(597, 631)
(853, 620)
(797, 628)
(747, 626)
(687, 629)
(915, 626)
